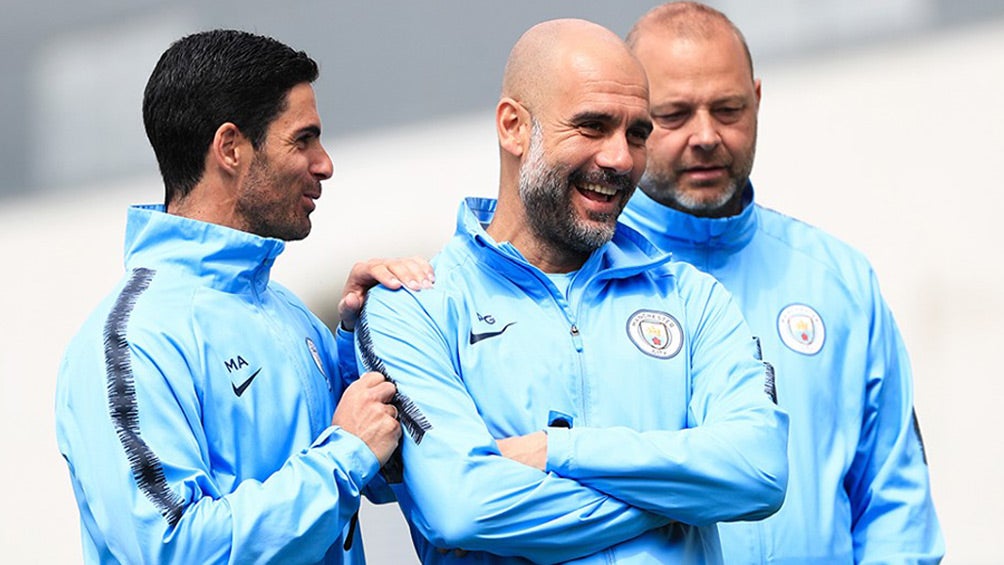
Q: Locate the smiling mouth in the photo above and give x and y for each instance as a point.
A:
(309, 202)
(597, 192)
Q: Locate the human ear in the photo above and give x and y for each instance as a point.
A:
(512, 122)
(229, 148)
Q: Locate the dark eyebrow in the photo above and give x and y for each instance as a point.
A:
(312, 130)
(591, 116)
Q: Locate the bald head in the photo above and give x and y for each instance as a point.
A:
(550, 47)
(572, 123)
(686, 21)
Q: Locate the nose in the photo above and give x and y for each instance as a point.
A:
(615, 154)
(322, 167)
(705, 134)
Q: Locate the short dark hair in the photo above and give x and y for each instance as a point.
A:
(210, 78)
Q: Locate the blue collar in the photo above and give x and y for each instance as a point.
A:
(673, 229)
(628, 253)
(224, 258)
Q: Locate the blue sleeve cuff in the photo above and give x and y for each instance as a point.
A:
(352, 454)
(559, 449)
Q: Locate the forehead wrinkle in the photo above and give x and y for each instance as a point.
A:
(608, 68)
(690, 69)
(605, 102)
(603, 89)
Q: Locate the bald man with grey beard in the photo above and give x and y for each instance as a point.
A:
(578, 396)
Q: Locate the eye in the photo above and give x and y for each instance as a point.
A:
(638, 136)
(306, 137)
(672, 120)
(592, 128)
(728, 114)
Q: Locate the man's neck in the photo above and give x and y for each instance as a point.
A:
(207, 203)
(510, 223)
(547, 256)
(551, 262)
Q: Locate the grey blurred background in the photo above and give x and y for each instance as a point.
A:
(881, 122)
(73, 72)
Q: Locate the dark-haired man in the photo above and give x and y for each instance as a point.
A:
(858, 490)
(201, 408)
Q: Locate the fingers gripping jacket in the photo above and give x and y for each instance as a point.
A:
(414, 422)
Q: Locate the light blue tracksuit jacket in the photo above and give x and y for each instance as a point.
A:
(858, 489)
(643, 373)
(194, 410)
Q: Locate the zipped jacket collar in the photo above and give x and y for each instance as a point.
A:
(626, 254)
(673, 229)
(225, 259)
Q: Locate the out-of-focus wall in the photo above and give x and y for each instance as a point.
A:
(892, 147)
(73, 73)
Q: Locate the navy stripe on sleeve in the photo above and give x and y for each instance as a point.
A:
(146, 467)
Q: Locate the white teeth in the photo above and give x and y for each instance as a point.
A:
(604, 190)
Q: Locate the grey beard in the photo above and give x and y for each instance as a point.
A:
(546, 197)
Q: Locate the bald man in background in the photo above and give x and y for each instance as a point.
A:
(575, 395)
(859, 490)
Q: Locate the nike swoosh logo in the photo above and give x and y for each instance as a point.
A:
(478, 337)
(239, 390)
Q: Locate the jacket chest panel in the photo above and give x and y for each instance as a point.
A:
(525, 367)
(263, 395)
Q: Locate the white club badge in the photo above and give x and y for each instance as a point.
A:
(801, 329)
(655, 333)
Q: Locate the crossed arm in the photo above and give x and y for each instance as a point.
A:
(464, 488)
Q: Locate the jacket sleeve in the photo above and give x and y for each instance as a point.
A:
(147, 492)
(348, 371)
(730, 463)
(458, 491)
(377, 491)
(893, 515)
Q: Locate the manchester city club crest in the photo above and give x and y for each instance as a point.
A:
(655, 333)
(801, 329)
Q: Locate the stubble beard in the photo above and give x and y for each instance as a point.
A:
(546, 194)
(264, 214)
(665, 189)
(663, 186)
